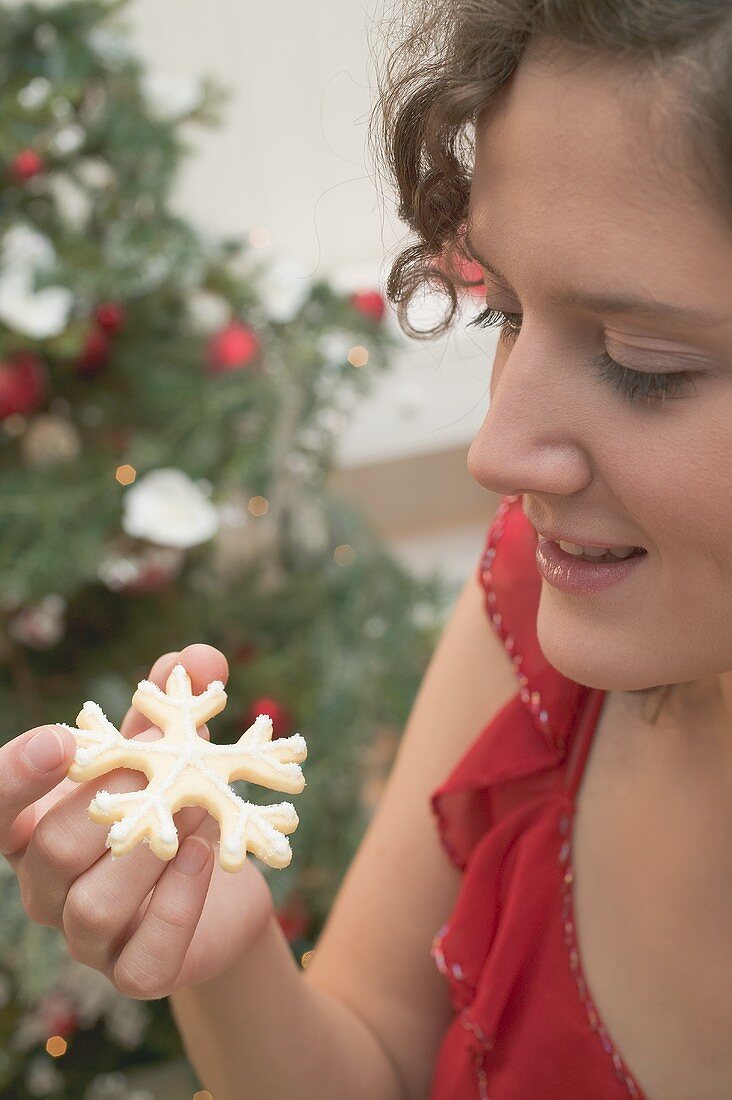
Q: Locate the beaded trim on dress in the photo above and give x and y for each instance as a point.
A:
(544, 693)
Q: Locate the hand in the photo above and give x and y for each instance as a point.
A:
(149, 927)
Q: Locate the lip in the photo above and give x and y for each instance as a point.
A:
(578, 540)
(570, 574)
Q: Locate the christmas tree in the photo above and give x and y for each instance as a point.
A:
(169, 413)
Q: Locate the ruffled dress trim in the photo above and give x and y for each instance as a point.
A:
(515, 784)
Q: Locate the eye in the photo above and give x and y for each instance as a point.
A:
(510, 322)
(634, 385)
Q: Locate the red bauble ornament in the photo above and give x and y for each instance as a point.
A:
(280, 715)
(232, 348)
(95, 353)
(26, 164)
(58, 1015)
(368, 302)
(23, 383)
(293, 918)
(110, 316)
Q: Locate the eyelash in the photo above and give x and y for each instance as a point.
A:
(632, 384)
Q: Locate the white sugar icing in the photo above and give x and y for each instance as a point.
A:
(186, 713)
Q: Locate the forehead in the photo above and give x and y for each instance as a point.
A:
(566, 115)
(581, 159)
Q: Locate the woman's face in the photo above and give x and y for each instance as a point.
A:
(581, 188)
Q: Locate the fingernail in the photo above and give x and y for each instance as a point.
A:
(192, 856)
(45, 751)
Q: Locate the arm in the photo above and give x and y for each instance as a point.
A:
(261, 1032)
(365, 1020)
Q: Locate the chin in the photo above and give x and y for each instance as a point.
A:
(597, 665)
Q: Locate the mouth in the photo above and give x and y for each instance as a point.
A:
(573, 573)
(595, 555)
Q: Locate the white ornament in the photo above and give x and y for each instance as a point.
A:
(208, 311)
(167, 507)
(110, 45)
(334, 346)
(42, 1077)
(117, 573)
(283, 288)
(35, 93)
(42, 625)
(126, 1022)
(71, 199)
(95, 172)
(41, 313)
(25, 249)
(68, 139)
(169, 96)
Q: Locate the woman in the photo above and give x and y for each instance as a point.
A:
(577, 891)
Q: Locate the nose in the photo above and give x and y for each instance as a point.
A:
(531, 440)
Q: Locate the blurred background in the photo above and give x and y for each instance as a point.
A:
(291, 156)
(212, 429)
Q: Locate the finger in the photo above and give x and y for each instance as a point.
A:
(202, 662)
(61, 847)
(26, 793)
(134, 722)
(102, 902)
(27, 772)
(149, 962)
(65, 842)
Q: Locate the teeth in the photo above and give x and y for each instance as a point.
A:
(596, 552)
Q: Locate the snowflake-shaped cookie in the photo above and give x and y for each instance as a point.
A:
(184, 769)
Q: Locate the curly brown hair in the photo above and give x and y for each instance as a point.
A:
(451, 58)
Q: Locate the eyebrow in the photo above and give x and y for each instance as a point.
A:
(611, 303)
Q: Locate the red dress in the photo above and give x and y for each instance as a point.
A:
(525, 1027)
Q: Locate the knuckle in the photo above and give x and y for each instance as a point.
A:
(141, 971)
(165, 916)
(50, 844)
(133, 978)
(85, 913)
